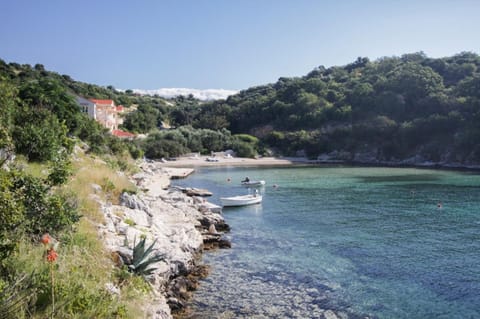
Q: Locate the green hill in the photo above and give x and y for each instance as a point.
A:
(392, 108)
(388, 110)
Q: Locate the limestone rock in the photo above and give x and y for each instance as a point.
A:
(132, 201)
(329, 314)
(180, 227)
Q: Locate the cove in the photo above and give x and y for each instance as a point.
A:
(355, 242)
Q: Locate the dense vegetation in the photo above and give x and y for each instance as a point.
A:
(395, 107)
(392, 108)
(43, 191)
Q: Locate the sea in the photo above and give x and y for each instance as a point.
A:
(349, 242)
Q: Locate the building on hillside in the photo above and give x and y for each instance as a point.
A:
(123, 134)
(87, 107)
(106, 113)
(120, 114)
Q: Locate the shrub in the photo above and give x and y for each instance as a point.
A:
(60, 169)
(39, 135)
(163, 148)
(43, 211)
(11, 215)
(243, 149)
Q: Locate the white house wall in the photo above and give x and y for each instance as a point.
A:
(87, 107)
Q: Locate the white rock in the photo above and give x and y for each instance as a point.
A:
(169, 218)
(329, 314)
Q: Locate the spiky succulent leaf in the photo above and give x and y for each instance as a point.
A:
(142, 260)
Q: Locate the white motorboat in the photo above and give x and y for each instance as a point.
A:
(252, 183)
(241, 200)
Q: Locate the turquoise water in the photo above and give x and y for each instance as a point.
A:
(357, 241)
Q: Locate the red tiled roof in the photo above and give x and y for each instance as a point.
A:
(120, 133)
(109, 102)
(119, 108)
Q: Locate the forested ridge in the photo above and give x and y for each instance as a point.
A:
(392, 108)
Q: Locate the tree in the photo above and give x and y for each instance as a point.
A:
(469, 87)
(143, 120)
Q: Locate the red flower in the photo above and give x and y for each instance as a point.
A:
(46, 239)
(51, 255)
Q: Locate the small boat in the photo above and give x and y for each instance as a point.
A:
(241, 200)
(251, 183)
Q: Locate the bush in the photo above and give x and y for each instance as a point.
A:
(45, 212)
(243, 149)
(12, 215)
(60, 169)
(39, 135)
(135, 150)
(163, 148)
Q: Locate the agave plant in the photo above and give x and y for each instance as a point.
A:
(143, 258)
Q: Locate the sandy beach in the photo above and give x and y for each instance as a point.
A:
(201, 161)
(182, 167)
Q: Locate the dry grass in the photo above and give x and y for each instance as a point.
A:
(90, 171)
(84, 266)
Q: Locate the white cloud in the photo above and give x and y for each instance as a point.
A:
(204, 95)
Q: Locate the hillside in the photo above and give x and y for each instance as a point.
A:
(392, 108)
(86, 232)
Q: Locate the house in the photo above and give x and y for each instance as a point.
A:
(106, 113)
(87, 106)
(120, 114)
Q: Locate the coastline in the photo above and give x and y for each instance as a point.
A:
(181, 224)
(180, 227)
(201, 161)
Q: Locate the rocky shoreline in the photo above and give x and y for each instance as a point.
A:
(181, 227)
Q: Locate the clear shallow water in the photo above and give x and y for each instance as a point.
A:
(359, 241)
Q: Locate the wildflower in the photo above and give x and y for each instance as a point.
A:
(46, 239)
(51, 255)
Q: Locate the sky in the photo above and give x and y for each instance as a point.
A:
(225, 44)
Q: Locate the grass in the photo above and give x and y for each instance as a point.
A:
(89, 171)
(81, 274)
(129, 222)
(84, 267)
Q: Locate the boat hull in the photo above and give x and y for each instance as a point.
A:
(253, 183)
(241, 200)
